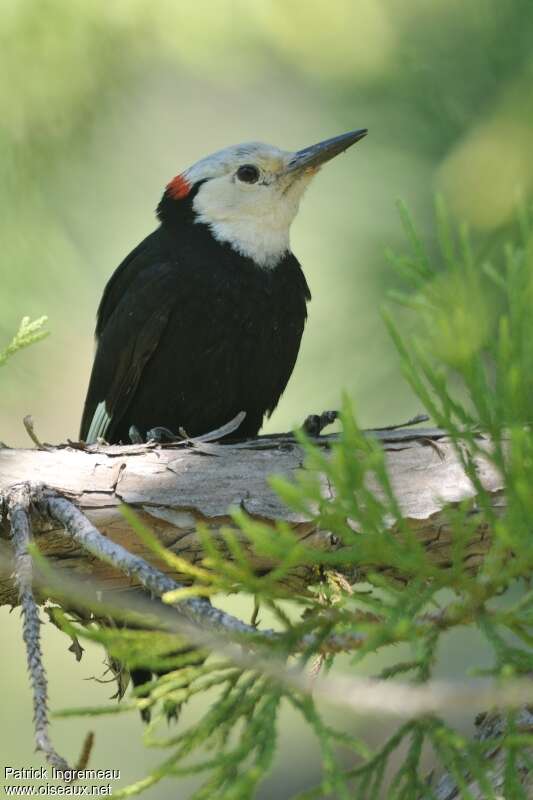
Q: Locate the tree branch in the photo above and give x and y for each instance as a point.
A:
(173, 488)
(18, 502)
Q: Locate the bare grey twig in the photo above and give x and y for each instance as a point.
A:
(193, 610)
(30, 430)
(18, 505)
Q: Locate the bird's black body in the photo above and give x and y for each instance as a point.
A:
(190, 333)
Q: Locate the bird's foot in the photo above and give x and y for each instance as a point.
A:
(315, 423)
(165, 435)
(158, 434)
(162, 435)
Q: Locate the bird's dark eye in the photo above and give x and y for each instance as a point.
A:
(248, 173)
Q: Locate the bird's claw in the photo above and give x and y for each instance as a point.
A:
(315, 423)
(135, 435)
(162, 435)
(159, 435)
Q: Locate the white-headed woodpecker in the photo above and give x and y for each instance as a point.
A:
(204, 318)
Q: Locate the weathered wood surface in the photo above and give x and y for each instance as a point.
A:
(173, 488)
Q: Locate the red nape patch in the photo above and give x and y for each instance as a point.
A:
(178, 188)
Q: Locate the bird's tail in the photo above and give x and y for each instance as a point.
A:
(150, 657)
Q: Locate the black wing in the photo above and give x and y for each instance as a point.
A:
(132, 317)
(150, 250)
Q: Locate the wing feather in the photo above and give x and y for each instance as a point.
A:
(99, 424)
(126, 343)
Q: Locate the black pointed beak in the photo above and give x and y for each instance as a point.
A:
(318, 154)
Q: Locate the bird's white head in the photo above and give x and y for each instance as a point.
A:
(249, 194)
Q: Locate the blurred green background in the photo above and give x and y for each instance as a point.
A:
(103, 102)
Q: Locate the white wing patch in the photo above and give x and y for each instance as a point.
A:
(99, 424)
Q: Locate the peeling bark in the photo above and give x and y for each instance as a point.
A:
(172, 488)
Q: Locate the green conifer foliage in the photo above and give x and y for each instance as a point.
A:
(29, 331)
(466, 348)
